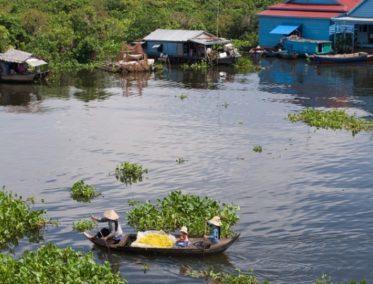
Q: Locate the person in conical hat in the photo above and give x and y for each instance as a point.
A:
(114, 230)
(214, 224)
(183, 240)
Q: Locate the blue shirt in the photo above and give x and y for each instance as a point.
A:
(214, 235)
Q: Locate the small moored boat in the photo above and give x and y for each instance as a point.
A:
(338, 58)
(192, 249)
(21, 67)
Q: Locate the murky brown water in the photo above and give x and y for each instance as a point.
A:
(305, 200)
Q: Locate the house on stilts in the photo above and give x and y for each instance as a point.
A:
(189, 46)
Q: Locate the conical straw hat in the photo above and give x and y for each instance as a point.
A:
(184, 229)
(111, 215)
(215, 221)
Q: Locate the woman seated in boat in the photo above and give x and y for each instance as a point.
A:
(114, 230)
(214, 224)
(183, 240)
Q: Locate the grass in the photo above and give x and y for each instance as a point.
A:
(334, 119)
(18, 220)
(83, 192)
(182, 97)
(129, 173)
(84, 225)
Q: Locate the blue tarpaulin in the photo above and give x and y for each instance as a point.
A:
(284, 29)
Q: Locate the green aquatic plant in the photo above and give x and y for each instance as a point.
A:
(181, 160)
(50, 264)
(202, 65)
(325, 279)
(18, 220)
(218, 277)
(83, 192)
(159, 67)
(129, 173)
(84, 225)
(334, 119)
(182, 97)
(178, 209)
(244, 65)
(258, 149)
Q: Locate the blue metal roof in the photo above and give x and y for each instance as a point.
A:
(284, 29)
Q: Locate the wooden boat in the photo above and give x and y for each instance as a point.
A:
(338, 58)
(286, 54)
(124, 246)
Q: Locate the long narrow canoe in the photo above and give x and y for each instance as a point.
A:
(339, 58)
(192, 249)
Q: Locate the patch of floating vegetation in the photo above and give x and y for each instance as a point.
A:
(129, 173)
(258, 149)
(181, 160)
(211, 276)
(182, 97)
(203, 65)
(178, 209)
(84, 225)
(17, 220)
(325, 279)
(50, 264)
(244, 64)
(334, 119)
(83, 192)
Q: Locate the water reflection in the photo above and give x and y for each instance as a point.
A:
(210, 78)
(20, 98)
(319, 86)
(134, 83)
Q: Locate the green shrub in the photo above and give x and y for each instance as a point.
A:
(83, 192)
(129, 173)
(334, 119)
(84, 225)
(50, 264)
(178, 209)
(18, 220)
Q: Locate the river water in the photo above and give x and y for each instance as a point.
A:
(306, 200)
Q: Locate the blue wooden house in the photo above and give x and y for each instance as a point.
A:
(358, 23)
(310, 19)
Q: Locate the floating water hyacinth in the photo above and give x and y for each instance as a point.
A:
(84, 225)
(334, 119)
(83, 192)
(18, 220)
(129, 173)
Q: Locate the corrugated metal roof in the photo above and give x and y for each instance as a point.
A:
(354, 20)
(343, 6)
(299, 14)
(16, 56)
(173, 35)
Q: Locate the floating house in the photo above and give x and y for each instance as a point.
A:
(189, 46)
(303, 47)
(310, 19)
(358, 23)
(21, 66)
